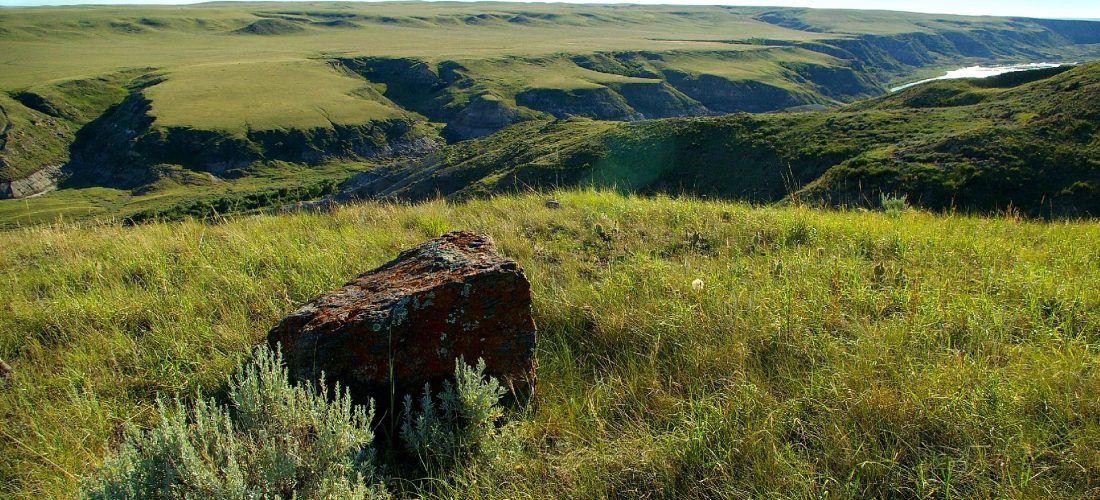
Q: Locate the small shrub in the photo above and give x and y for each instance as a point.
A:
(894, 205)
(460, 426)
(274, 440)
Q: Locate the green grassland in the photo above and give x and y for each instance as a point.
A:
(212, 55)
(39, 123)
(840, 354)
(109, 38)
(874, 22)
(830, 353)
(746, 65)
(260, 95)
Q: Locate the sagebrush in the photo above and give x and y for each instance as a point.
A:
(273, 440)
(456, 425)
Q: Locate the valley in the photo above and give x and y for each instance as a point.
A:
(132, 99)
(1026, 140)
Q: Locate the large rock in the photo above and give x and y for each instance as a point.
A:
(411, 318)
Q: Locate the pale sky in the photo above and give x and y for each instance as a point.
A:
(1065, 9)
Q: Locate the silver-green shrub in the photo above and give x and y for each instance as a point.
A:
(458, 424)
(894, 205)
(274, 440)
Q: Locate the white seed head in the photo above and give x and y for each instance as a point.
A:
(697, 285)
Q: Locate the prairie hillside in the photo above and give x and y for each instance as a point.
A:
(829, 353)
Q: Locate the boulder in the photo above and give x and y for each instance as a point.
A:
(389, 331)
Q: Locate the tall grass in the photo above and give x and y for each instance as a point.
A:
(845, 354)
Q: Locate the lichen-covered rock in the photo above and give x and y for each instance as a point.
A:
(389, 331)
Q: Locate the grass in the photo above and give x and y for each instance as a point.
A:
(758, 65)
(107, 37)
(829, 353)
(984, 146)
(238, 97)
(883, 22)
(33, 138)
(513, 75)
(56, 43)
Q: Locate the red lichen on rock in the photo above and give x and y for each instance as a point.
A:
(412, 317)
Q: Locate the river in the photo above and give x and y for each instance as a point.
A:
(982, 72)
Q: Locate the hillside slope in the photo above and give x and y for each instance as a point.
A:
(828, 353)
(1028, 141)
(216, 87)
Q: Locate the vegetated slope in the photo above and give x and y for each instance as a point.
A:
(1035, 147)
(911, 355)
(236, 84)
(179, 193)
(158, 127)
(37, 124)
(132, 129)
(1028, 141)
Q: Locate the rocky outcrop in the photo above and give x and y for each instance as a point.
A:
(37, 183)
(391, 330)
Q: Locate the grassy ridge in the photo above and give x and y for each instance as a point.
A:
(829, 353)
(56, 43)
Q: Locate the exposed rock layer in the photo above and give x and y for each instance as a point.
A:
(37, 183)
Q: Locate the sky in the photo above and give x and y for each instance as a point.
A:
(1065, 9)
